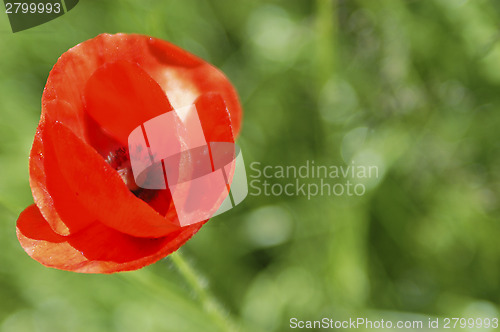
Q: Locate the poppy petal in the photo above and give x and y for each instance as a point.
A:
(121, 96)
(99, 188)
(182, 76)
(59, 206)
(171, 55)
(97, 249)
(209, 79)
(215, 118)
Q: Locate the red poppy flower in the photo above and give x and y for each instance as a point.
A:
(89, 215)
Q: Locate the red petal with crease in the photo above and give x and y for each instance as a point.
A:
(214, 118)
(182, 76)
(60, 207)
(99, 187)
(98, 249)
(121, 96)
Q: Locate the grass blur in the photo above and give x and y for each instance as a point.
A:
(410, 86)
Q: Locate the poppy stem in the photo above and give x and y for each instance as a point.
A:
(199, 287)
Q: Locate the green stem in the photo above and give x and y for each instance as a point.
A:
(326, 31)
(198, 285)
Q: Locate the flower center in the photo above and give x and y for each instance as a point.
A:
(118, 157)
(157, 199)
(120, 160)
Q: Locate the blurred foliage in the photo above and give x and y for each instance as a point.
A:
(410, 86)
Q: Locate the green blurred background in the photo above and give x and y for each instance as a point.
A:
(410, 86)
